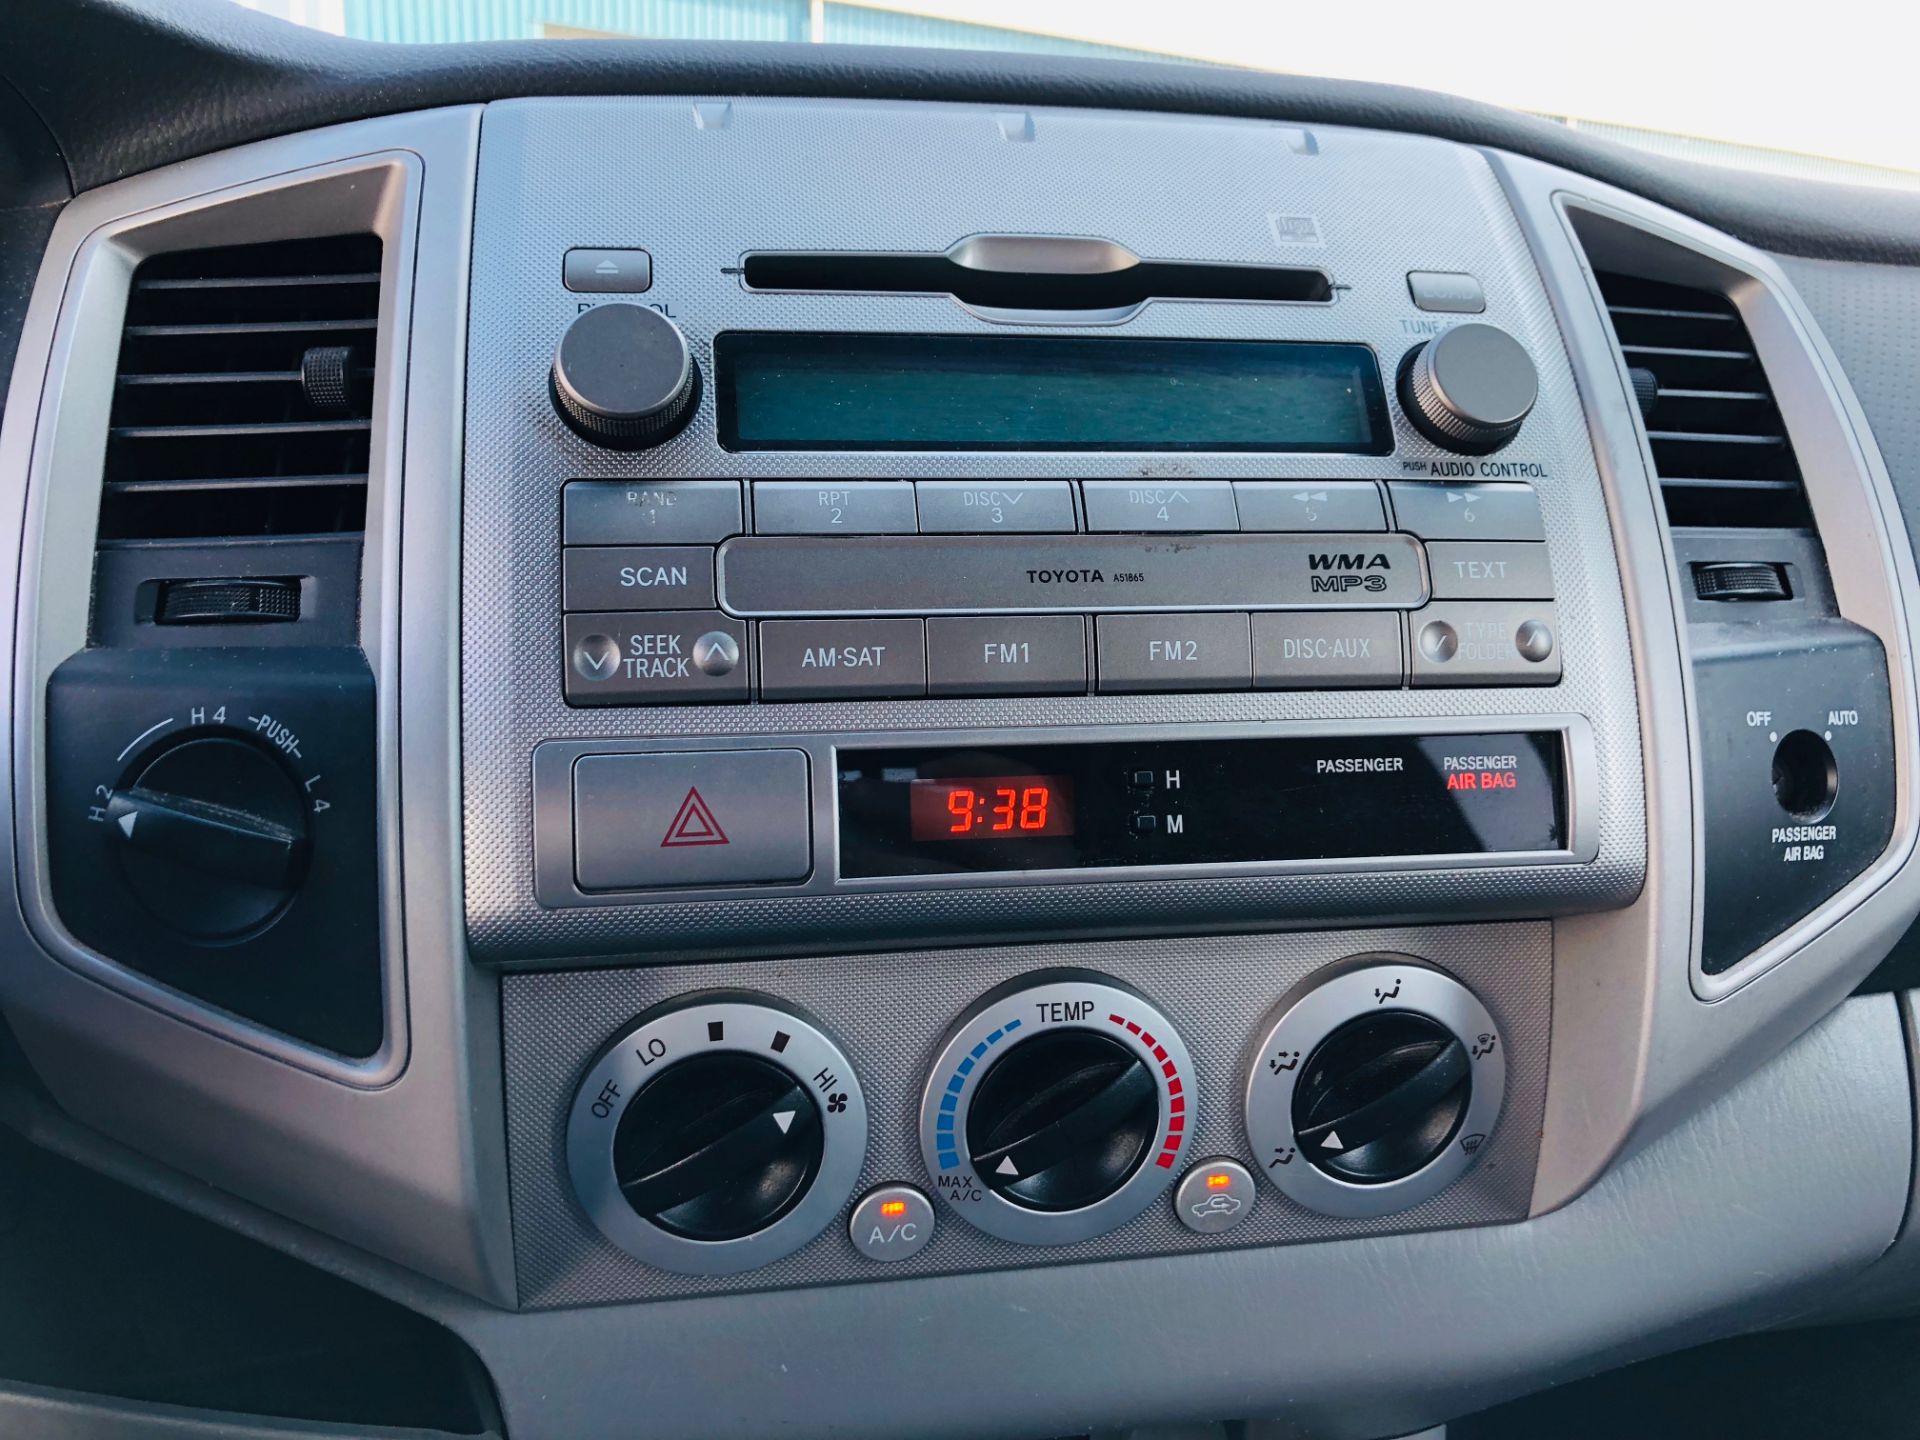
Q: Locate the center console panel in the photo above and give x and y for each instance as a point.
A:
(849, 581)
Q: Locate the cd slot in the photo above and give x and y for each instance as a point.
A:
(1035, 287)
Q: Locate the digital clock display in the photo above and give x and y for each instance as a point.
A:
(1230, 800)
(990, 807)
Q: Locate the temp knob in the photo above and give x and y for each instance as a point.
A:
(1469, 389)
(717, 1133)
(624, 378)
(1062, 1120)
(1058, 1108)
(211, 835)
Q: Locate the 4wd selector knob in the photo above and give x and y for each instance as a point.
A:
(212, 836)
(1469, 389)
(718, 1132)
(1058, 1108)
(624, 378)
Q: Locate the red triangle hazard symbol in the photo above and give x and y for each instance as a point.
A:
(693, 824)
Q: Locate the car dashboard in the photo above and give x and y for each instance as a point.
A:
(885, 759)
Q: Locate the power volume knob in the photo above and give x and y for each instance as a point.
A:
(1469, 389)
(624, 378)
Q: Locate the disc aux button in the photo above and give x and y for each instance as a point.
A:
(707, 817)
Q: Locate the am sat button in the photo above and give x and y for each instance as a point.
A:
(828, 659)
(706, 817)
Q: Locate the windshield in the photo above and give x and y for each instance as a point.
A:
(1731, 85)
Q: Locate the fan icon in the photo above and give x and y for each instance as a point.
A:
(836, 1103)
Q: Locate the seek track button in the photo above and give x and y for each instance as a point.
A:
(655, 658)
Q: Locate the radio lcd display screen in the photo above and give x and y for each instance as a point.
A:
(797, 391)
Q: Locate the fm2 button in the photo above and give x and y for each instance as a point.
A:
(891, 1223)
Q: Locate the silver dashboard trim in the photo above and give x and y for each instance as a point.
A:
(380, 192)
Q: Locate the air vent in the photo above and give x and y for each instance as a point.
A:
(244, 400)
(1719, 446)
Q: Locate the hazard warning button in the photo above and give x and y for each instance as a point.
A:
(699, 817)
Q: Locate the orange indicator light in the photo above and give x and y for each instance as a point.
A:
(1219, 1180)
(891, 1208)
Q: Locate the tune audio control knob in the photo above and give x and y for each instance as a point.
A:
(1058, 1108)
(717, 1133)
(1469, 389)
(623, 377)
(1375, 1085)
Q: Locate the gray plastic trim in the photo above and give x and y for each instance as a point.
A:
(1859, 525)
(390, 1154)
(378, 192)
(1634, 1045)
(1314, 1010)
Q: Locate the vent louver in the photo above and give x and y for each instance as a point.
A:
(1719, 446)
(243, 402)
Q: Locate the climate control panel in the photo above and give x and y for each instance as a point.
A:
(725, 1132)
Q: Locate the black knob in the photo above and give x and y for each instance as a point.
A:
(718, 1147)
(624, 378)
(1062, 1120)
(212, 836)
(1469, 389)
(1381, 1097)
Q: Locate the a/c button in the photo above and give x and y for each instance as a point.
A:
(891, 1223)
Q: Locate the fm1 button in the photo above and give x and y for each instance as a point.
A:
(891, 1223)
(1213, 1196)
